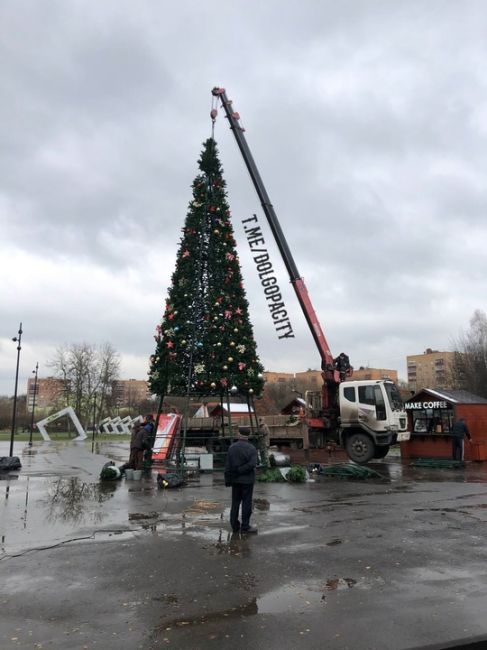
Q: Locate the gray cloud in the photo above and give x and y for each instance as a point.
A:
(367, 121)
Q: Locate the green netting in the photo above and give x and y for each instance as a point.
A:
(438, 463)
(349, 470)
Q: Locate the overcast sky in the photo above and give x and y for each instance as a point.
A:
(367, 120)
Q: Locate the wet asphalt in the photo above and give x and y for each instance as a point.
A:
(392, 563)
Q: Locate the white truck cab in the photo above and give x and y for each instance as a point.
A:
(372, 418)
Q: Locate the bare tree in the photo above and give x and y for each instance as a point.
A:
(87, 371)
(109, 368)
(469, 368)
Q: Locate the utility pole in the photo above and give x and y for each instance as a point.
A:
(18, 340)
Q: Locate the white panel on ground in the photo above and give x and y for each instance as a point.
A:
(41, 425)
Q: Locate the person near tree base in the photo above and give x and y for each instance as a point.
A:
(138, 443)
(265, 432)
(459, 431)
(150, 427)
(240, 476)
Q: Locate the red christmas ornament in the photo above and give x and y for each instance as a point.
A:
(186, 253)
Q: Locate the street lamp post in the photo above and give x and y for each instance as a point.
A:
(18, 340)
(33, 405)
(94, 424)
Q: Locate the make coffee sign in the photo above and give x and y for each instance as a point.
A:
(421, 406)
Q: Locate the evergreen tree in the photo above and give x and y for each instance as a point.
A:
(205, 342)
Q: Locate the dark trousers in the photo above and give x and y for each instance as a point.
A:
(457, 448)
(241, 494)
(148, 452)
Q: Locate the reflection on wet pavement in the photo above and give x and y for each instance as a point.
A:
(58, 496)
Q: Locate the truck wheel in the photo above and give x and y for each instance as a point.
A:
(381, 452)
(360, 448)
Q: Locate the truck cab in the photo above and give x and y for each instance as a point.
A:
(371, 418)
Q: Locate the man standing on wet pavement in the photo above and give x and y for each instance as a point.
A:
(240, 475)
(459, 431)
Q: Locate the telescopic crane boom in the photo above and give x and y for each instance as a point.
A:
(365, 416)
(334, 371)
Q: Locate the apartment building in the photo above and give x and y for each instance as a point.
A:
(130, 392)
(432, 369)
(49, 391)
(365, 373)
(278, 377)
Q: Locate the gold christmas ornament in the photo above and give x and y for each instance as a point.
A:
(230, 359)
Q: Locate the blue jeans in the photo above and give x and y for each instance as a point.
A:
(241, 494)
(457, 448)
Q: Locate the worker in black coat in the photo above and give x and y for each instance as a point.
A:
(459, 431)
(240, 475)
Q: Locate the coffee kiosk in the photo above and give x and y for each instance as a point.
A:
(431, 414)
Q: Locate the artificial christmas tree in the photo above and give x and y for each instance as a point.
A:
(205, 343)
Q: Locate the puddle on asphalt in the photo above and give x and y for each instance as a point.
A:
(296, 598)
(240, 611)
(71, 499)
(293, 598)
(301, 597)
(113, 535)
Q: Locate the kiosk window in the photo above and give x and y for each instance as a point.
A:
(432, 421)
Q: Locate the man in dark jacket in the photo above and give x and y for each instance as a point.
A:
(150, 427)
(240, 475)
(459, 431)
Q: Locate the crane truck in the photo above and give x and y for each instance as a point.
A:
(364, 417)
